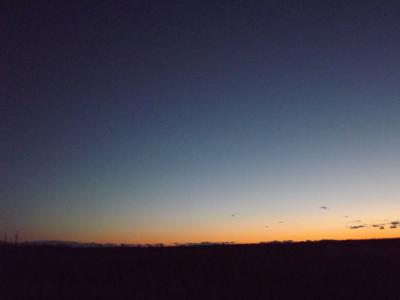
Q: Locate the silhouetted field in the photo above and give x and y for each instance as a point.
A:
(320, 270)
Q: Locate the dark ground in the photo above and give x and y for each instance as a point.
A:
(320, 270)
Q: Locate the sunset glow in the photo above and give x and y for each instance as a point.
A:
(173, 123)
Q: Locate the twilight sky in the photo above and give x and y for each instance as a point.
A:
(156, 121)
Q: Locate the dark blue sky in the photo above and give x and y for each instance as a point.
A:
(130, 121)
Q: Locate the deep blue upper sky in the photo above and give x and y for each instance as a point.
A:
(123, 118)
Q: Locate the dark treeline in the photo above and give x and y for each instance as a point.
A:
(367, 269)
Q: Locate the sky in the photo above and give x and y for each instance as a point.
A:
(189, 121)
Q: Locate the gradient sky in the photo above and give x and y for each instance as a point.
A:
(155, 121)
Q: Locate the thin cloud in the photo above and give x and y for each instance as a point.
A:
(358, 226)
(378, 225)
(392, 225)
(356, 221)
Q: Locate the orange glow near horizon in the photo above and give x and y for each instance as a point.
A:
(240, 236)
(313, 223)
